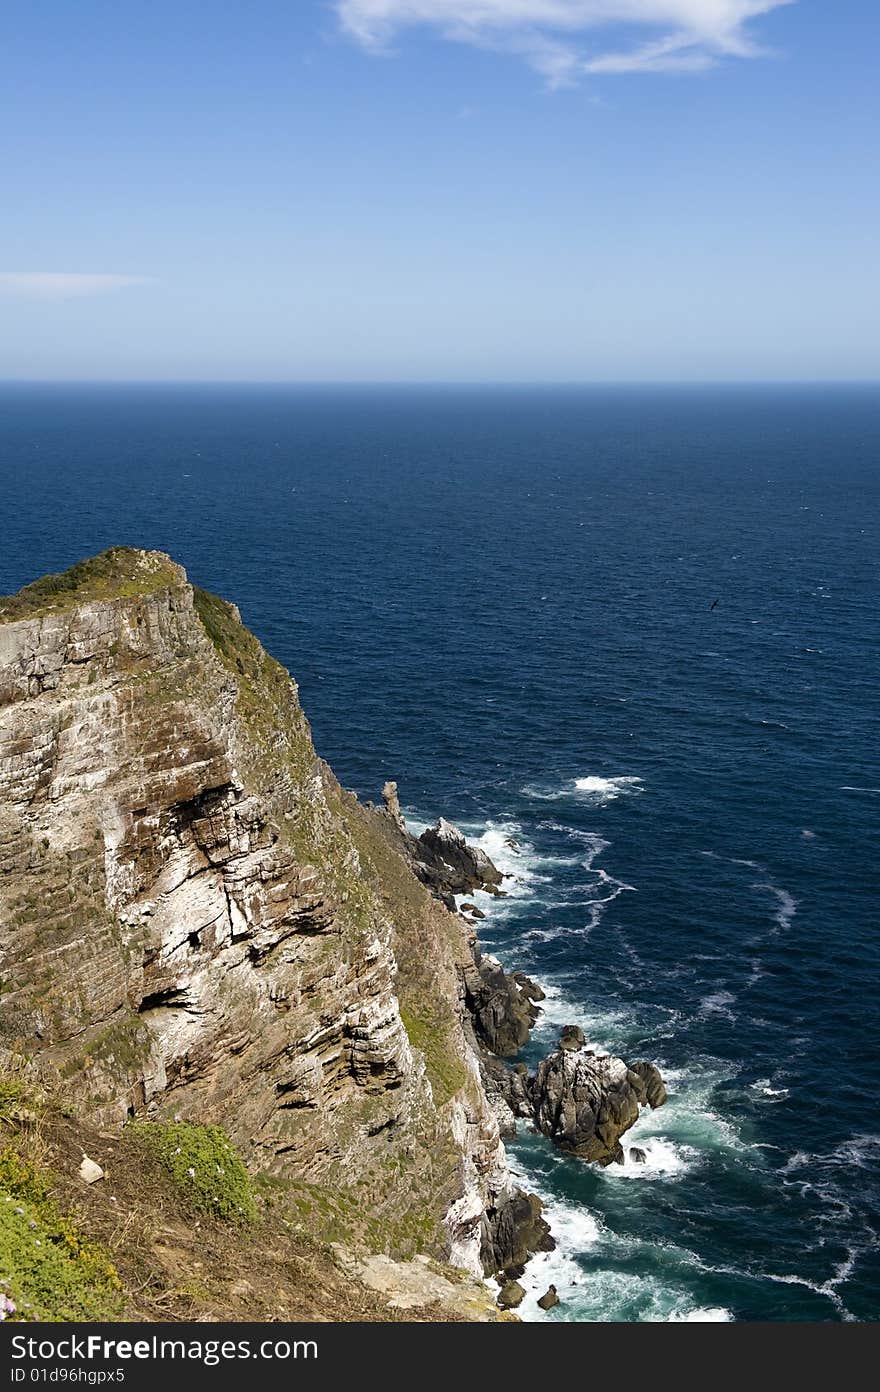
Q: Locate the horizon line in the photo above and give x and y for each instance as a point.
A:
(436, 381)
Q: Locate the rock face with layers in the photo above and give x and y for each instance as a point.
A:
(197, 921)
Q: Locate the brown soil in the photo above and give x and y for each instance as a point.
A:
(180, 1266)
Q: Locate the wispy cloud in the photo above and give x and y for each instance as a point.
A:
(62, 285)
(556, 36)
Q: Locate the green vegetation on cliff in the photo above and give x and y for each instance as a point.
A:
(203, 1165)
(118, 573)
(48, 1269)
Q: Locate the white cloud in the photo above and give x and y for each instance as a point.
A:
(62, 285)
(556, 36)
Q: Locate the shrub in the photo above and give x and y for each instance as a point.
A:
(203, 1165)
(48, 1270)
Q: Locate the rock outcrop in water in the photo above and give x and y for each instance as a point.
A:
(582, 1101)
(197, 921)
(501, 1006)
(585, 1102)
(459, 866)
(441, 857)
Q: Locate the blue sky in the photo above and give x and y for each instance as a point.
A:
(440, 189)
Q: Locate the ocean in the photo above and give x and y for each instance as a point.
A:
(504, 598)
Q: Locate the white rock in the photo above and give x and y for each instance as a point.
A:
(90, 1171)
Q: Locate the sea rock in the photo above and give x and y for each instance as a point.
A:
(441, 857)
(513, 1230)
(511, 1295)
(651, 1081)
(637, 1155)
(586, 1102)
(503, 1014)
(472, 910)
(549, 1298)
(571, 1037)
(458, 864)
(530, 989)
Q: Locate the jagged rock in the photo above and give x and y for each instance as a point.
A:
(530, 989)
(507, 1091)
(512, 1231)
(571, 1037)
(392, 805)
(511, 1295)
(508, 1084)
(459, 866)
(502, 1013)
(652, 1082)
(637, 1155)
(549, 1299)
(503, 1007)
(441, 857)
(586, 1102)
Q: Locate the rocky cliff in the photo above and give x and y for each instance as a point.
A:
(197, 922)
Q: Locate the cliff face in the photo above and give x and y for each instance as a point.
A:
(197, 921)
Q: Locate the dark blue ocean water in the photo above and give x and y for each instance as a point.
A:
(502, 598)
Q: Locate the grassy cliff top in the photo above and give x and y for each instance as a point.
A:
(120, 573)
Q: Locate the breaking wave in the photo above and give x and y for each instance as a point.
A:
(592, 789)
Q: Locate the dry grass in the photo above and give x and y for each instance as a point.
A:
(175, 1265)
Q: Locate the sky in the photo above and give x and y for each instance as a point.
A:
(454, 190)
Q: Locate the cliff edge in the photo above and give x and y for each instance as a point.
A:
(199, 925)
